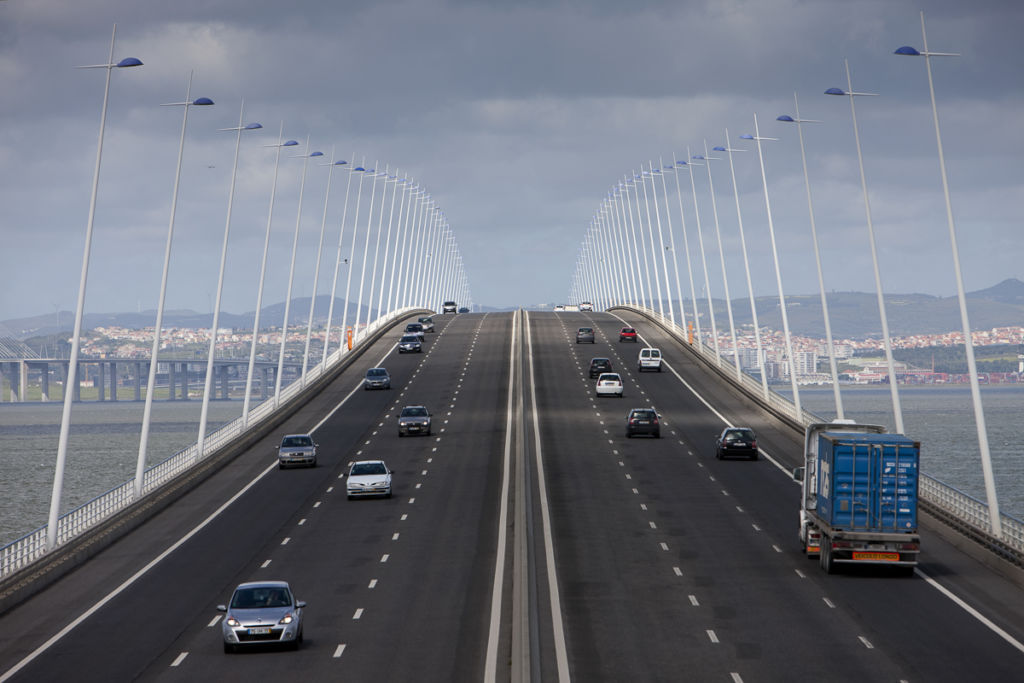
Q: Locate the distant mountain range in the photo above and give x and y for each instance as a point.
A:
(854, 315)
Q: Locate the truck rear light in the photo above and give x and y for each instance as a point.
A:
(842, 544)
(908, 546)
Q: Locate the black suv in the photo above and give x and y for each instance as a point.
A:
(599, 365)
(736, 441)
(643, 421)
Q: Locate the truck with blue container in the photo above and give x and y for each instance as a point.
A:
(859, 489)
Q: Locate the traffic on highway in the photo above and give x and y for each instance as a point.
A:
(523, 534)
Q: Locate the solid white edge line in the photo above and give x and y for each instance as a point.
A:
(935, 584)
(179, 659)
(133, 578)
(494, 630)
(561, 652)
(137, 575)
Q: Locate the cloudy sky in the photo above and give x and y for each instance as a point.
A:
(518, 116)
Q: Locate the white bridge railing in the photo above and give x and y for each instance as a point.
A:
(968, 512)
(30, 547)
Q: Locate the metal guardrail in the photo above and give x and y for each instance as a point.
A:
(955, 506)
(19, 553)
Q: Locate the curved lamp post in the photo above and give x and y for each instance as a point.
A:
(140, 464)
(263, 272)
(680, 165)
(291, 272)
(316, 272)
(721, 256)
(201, 440)
(337, 265)
(893, 388)
(72, 375)
(704, 262)
(817, 257)
(972, 367)
(778, 270)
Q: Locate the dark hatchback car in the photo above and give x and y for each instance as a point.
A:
(599, 365)
(628, 334)
(585, 335)
(738, 441)
(377, 378)
(643, 421)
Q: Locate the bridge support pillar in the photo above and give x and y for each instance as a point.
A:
(44, 383)
(172, 381)
(23, 379)
(184, 381)
(113, 381)
(264, 374)
(224, 381)
(138, 380)
(101, 381)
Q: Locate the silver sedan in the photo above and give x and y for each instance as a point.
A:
(262, 613)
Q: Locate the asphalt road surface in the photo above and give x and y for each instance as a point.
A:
(628, 559)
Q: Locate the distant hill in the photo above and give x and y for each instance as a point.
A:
(854, 315)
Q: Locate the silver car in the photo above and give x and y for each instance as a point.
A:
(297, 449)
(262, 613)
(428, 323)
(368, 478)
(410, 343)
(414, 420)
(377, 378)
(415, 328)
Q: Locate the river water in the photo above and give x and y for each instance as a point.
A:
(103, 447)
(104, 442)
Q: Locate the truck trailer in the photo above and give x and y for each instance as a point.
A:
(859, 489)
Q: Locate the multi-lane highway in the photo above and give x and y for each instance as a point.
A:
(526, 534)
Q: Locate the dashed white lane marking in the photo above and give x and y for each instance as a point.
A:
(756, 527)
(358, 614)
(694, 601)
(800, 574)
(316, 504)
(286, 539)
(394, 536)
(777, 548)
(867, 643)
(678, 571)
(664, 546)
(302, 521)
(265, 564)
(736, 678)
(329, 489)
(712, 636)
(643, 506)
(339, 650)
(179, 659)
(636, 492)
(423, 473)
(411, 501)
(384, 557)
(405, 517)
(653, 525)
(829, 603)
(373, 584)
(629, 476)
(215, 621)
(418, 485)
(739, 508)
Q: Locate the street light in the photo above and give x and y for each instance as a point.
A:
(352, 250)
(337, 265)
(778, 270)
(366, 252)
(746, 268)
(291, 272)
(721, 258)
(972, 368)
(894, 390)
(703, 261)
(72, 375)
(140, 465)
(817, 257)
(263, 272)
(316, 272)
(201, 440)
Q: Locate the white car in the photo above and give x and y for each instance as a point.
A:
(649, 359)
(559, 308)
(368, 478)
(586, 306)
(609, 384)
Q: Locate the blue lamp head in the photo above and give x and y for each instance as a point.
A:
(129, 61)
(359, 168)
(316, 154)
(340, 163)
(681, 163)
(698, 157)
(719, 148)
(785, 117)
(907, 50)
(202, 102)
(289, 143)
(253, 126)
(835, 91)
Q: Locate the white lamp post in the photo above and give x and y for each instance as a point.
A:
(337, 265)
(893, 387)
(263, 272)
(778, 271)
(972, 368)
(72, 377)
(207, 389)
(140, 464)
(316, 273)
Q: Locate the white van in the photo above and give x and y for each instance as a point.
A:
(649, 359)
